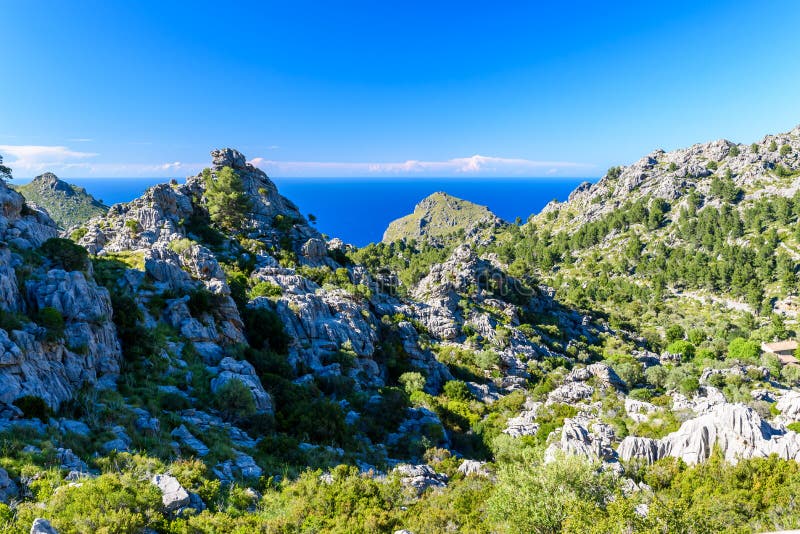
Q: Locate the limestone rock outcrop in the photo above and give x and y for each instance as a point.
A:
(736, 429)
(51, 365)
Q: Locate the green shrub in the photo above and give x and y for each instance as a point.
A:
(179, 246)
(235, 400)
(794, 427)
(78, 234)
(201, 301)
(689, 385)
(110, 503)
(717, 380)
(264, 329)
(642, 394)
(682, 347)
(265, 289)
(786, 150)
(656, 376)
(33, 407)
(674, 333)
(734, 151)
(773, 146)
(133, 226)
(52, 320)
(65, 254)
(412, 381)
(744, 350)
(10, 321)
(457, 390)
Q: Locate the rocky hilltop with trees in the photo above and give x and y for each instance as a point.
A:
(202, 359)
(440, 215)
(68, 205)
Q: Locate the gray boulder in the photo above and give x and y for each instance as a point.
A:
(420, 477)
(42, 526)
(187, 439)
(8, 488)
(173, 495)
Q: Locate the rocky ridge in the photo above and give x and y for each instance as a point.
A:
(670, 175)
(37, 358)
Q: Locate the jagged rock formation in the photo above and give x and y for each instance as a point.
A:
(669, 175)
(525, 423)
(21, 225)
(584, 436)
(68, 205)
(32, 362)
(736, 429)
(420, 477)
(331, 330)
(164, 213)
(440, 215)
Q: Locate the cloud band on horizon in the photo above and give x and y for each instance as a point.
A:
(476, 165)
(35, 159)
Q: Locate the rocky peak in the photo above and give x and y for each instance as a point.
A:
(671, 175)
(67, 204)
(228, 157)
(439, 215)
(51, 181)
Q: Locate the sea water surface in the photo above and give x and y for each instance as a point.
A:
(358, 210)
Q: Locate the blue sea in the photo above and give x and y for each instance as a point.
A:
(358, 210)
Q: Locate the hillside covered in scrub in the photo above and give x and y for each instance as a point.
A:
(68, 205)
(202, 359)
(439, 215)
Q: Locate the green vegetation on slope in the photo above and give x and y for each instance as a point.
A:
(68, 205)
(437, 215)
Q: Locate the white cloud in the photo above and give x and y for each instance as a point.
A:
(476, 165)
(30, 159)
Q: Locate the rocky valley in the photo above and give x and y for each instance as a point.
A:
(203, 359)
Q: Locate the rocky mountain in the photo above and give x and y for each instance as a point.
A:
(440, 215)
(202, 359)
(57, 335)
(68, 205)
(763, 168)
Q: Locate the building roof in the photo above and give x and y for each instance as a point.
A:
(779, 346)
(785, 359)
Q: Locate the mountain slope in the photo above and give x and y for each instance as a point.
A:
(439, 215)
(471, 381)
(68, 205)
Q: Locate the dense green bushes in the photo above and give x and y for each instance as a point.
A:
(65, 254)
(33, 407)
(234, 400)
(53, 322)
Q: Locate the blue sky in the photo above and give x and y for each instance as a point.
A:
(387, 88)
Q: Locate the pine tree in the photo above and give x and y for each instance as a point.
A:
(227, 202)
(5, 172)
